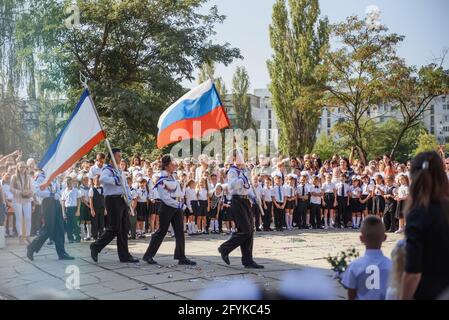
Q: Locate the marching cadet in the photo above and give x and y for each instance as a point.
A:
(113, 183)
(239, 185)
(171, 211)
(53, 227)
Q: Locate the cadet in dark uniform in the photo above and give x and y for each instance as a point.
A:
(239, 186)
(113, 181)
(171, 210)
(53, 227)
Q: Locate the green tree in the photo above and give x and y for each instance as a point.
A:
(426, 142)
(240, 99)
(412, 92)
(357, 72)
(134, 53)
(299, 39)
(207, 71)
(326, 146)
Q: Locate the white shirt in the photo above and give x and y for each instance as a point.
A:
(70, 197)
(299, 189)
(289, 191)
(95, 170)
(329, 187)
(342, 189)
(202, 194)
(315, 199)
(267, 193)
(142, 195)
(154, 195)
(402, 192)
(367, 188)
(278, 192)
(355, 192)
(190, 196)
(378, 188)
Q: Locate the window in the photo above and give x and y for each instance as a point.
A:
(432, 109)
(446, 129)
(269, 114)
(328, 113)
(446, 118)
(328, 122)
(269, 124)
(432, 130)
(446, 139)
(432, 120)
(269, 134)
(446, 106)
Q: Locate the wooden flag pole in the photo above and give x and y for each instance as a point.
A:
(83, 80)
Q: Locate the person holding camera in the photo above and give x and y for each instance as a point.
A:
(22, 191)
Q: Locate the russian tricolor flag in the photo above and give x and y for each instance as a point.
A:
(81, 133)
(198, 112)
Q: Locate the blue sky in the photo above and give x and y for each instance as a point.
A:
(425, 23)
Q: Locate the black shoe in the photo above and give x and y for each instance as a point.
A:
(131, 259)
(30, 253)
(186, 262)
(224, 256)
(149, 260)
(66, 257)
(258, 229)
(254, 265)
(50, 243)
(93, 253)
(71, 241)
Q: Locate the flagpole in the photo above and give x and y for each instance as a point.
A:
(83, 80)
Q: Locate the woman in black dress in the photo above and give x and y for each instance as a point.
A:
(427, 230)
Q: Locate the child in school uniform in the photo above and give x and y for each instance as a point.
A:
(202, 193)
(366, 278)
(279, 200)
(216, 201)
(143, 194)
(290, 206)
(97, 205)
(302, 192)
(70, 199)
(342, 201)
(316, 193)
(155, 204)
(329, 201)
(132, 218)
(85, 217)
(267, 203)
(355, 193)
(227, 213)
(192, 207)
(402, 195)
(366, 198)
(390, 203)
(378, 196)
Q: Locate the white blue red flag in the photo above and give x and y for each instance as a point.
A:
(81, 133)
(195, 114)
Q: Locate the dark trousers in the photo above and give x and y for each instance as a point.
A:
(97, 223)
(168, 215)
(279, 217)
(36, 219)
(342, 212)
(267, 217)
(72, 226)
(389, 215)
(53, 227)
(301, 214)
(315, 215)
(257, 215)
(119, 224)
(243, 238)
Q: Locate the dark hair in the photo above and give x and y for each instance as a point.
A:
(101, 155)
(165, 160)
(373, 230)
(429, 182)
(114, 151)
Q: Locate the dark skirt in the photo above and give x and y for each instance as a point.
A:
(195, 207)
(142, 211)
(154, 207)
(365, 205)
(290, 204)
(399, 209)
(329, 199)
(213, 213)
(378, 204)
(202, 211)
(355, 204)
(227, 213)
(84, 213)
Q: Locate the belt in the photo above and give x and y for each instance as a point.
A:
(115, 196)
(240, 196)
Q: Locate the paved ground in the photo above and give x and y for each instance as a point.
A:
(45, 277)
